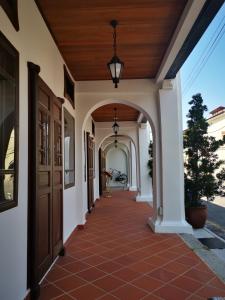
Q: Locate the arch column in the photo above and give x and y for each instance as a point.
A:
(170, 212)
(145, 185)
(133, 168)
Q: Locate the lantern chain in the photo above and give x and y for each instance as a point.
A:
(114, 41)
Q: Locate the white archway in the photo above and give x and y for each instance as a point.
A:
(116, 159)
(156, 152)
(120, 101)
(161, 108)
(130, 146)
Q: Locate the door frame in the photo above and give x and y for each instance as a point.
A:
(32, 278)
(90, 207)
(100, 171)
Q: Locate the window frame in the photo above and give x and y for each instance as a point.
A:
(11, 10)
(11, 50)
(71, 184)
(67, 78)
(93, 128)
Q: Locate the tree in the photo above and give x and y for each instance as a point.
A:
(221, 180)
(201, 158)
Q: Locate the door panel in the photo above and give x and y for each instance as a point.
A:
(57, 222)
(44, 232)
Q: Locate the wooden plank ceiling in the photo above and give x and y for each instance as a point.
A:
(82, 32)
(106, 113)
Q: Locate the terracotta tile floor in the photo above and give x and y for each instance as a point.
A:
(117, 256)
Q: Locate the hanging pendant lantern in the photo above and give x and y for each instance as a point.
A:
(115, 65)
(115, 126)
(116, 143)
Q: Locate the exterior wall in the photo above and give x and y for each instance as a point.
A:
(35, 44)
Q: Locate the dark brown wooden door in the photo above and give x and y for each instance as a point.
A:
(100, 171)
(103, 169)
(102, 178)
(45, 221)
(90, 172)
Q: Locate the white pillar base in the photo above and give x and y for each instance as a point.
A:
(170, 227)
(144, 198)
(133, 188)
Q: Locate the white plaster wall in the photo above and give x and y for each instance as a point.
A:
(35, 44)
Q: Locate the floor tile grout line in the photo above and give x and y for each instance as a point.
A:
(88, 282)
(60, 294)
(146, 274)
(70, 291)
(128, 244)
(76, 273)
(154, 243)
(204, 285)
(195, 293)
(216, 277)
(164, 239)
(112, 259)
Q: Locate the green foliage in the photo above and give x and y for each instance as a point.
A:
(221, 180)
(202, 160)
(150, 161)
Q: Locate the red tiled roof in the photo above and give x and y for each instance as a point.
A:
(216, 110)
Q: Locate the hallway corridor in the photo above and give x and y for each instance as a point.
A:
(117, 256)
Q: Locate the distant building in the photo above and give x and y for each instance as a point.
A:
(217, 128)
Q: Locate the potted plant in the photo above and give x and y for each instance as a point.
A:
(201, 164)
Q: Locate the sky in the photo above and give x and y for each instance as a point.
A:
(205, 74)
